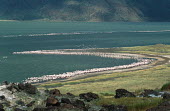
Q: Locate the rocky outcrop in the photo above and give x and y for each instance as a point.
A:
(123, 93)
(1, 107)
(54, 92)
(166, 96)
(88, 96)
(79, 104)
(5, 83)
(13, 87)
(70, 95)
(26, 97)
(65, 100)
(51, 101)
(28, 88)
(2, 97)
(150, 93)
(32, 103)
(17, 109)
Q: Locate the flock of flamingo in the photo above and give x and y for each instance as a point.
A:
(140, 59)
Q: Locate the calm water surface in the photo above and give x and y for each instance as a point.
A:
(40, 35)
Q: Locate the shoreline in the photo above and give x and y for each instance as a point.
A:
(143, 61)
(160, 60)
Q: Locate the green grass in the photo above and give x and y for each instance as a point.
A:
(166, 87)
(152, 49)
(152, 78)
(133, 104)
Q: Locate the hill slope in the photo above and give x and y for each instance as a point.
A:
(86, 10)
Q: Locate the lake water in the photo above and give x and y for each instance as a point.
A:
(41, 35)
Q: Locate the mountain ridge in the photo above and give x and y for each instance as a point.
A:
(86, 10)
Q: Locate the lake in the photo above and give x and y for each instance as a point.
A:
(18, 36)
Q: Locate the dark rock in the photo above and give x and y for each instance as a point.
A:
(5, 83)
(6, 103)
(13, 87)
(149, 93)
(65, 100)
(40, 109)
(30, 104)
(51, 101)
(70, 94)
(1, 106)
(166, 96)
(2, 97)
(10, 88)
(55, 92)
(67, 106)
(109, 107)
(21, 86)
(79, 104)
(114, 108)
(102, 109)
(17, 109)
(85, 109)
(88, 96)
(121, 108)
(166, 103)
(165, 106)
(1, 109)
(19, 102)
(30, 89)
(123, 93)
(46, 91)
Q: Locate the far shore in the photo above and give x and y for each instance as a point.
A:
(7, 20)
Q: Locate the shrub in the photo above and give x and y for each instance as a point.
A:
(166, 86)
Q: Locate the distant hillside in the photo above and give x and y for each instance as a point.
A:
(86, 10)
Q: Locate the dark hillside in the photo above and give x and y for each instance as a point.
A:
(86, 10)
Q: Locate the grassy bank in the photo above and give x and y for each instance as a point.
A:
(136, 80)
(133, 104)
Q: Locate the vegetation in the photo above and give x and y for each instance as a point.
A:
(133, 104)
(132, 81)
(158, 49)
(166, 86)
